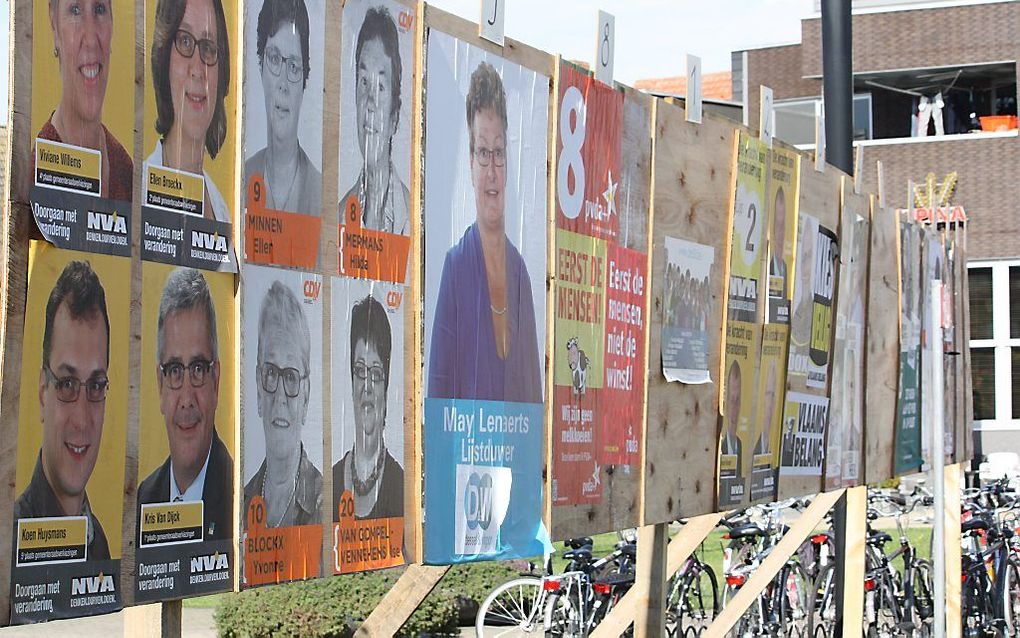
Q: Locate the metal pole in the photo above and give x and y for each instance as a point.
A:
(938, 453)
(837, 81)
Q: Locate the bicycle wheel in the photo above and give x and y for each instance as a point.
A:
(512, 609)
(922, 613)
(751, 624)
(794, 592)
(823, 617)
(1011, 597)
(694, 602)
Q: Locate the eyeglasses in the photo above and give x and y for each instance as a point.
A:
(375, 373)
(275, 62)
(67, 389)
(185, 43)
(292, 378)
(486, 156)
(173, 372)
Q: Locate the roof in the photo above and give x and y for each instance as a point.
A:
(714, 86)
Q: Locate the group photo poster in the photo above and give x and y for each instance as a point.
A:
(908, 404)
(783, 201)
(687, 301)
(743, 320)
(367, 413)
(281, 428)
(283, 90)
(71, 438)
(189, 189)
(376, 99)
(484, 304)
(82, 171)
(185, 532)
(588, 154)
(845, 435)
(806, 405)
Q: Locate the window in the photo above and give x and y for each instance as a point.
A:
(795, 119)
(995, 343)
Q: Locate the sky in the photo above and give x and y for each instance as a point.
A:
(652, 36)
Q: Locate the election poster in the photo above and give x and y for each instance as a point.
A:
(744, 306)
(687, 301)
(367, 319)
(189, 183)
(82, 171)
(908, 426)
(783, 200)
(376, 95)
(484, 304)
(184, 518)
(844, 438)
(806, 405)
(281, 412)
(932, 259)
(71, 436)
(283, 88)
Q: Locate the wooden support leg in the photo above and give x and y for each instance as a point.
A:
(953, 550)
(630, 608)
(853, 564)
(156, 620)
(769, 567)
(400, 602)
(650, 620)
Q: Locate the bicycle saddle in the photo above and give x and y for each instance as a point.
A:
(580, 555)
(879, 538)
(974, 524)
(747, 530)
(578, 543)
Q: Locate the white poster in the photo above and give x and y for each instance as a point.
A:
(686, 304)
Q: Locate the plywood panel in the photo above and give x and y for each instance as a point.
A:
(621, 484)
(690, 195)
(881, 374)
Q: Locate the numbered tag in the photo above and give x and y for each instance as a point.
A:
(820, 136)
(766, 116)
(490, 25)
(693, 102)
(605, 48)
(858, 169)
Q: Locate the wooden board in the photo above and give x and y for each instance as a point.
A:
(690, 200)
(621, 484)
(881, 374)
(968, 392)
(820, 198)
(960, 344)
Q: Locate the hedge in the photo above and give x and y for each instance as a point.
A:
(335, 606)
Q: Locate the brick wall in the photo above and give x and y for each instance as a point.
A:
(779, 69)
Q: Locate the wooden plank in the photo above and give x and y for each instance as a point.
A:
(881, 375)
(400, 602)
(968, 394)
(18, 227)
(650, 582)
(853, 570)
(156, 620)
(690, 201)
(621, 484)
(786, 547)
(960, 345)
(952, 479)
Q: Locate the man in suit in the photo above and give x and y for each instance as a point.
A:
(188, 373)
(731, 443)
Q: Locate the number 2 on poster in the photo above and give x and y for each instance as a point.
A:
(572, 132)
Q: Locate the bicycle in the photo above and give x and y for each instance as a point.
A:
(693, 600)
(581, 596)
(990, 564)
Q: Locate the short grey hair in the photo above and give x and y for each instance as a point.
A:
(281, 305)
(186, 288)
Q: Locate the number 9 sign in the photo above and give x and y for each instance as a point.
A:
(572, 131)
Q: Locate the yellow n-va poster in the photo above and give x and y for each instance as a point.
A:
(782, 200)
(744, 306)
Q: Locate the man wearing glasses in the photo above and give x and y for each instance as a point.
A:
(199, 467)
(288, 483)
(374, 477)
(73, 382)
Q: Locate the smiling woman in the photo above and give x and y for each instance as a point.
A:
(292, 181)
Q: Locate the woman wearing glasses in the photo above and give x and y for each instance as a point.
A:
(287, 481)
(292, 182)
(191, 76)
(382, 198)
(374, 478)
(484, 342)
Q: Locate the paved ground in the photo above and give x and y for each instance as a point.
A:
(198, 623)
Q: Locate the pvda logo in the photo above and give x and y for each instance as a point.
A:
(478, 501)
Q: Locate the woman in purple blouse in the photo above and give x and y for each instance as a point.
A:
(484, 342)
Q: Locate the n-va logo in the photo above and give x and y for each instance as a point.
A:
(107, 223)
(208, 241)
(209, 563)
(100, 584)
(478, 501)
